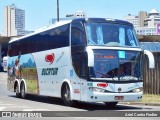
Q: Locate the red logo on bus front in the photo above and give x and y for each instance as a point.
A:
(50, 58)
(102, 85)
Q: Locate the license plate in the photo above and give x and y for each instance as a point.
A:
(119, 97)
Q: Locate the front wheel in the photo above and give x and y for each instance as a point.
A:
(66, 95)
(111, 104)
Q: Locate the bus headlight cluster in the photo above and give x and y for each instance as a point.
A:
(137, 90)
(95, 89)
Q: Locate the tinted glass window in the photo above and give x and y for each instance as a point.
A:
(32, 44)
(24, 46)
(50, 39)
(77, 34)
(108, 34)
(80, 64)
(116, 65)
(40, 42)
(13, 49)
(58, 37)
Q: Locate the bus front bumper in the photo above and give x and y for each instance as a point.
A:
(114, 97)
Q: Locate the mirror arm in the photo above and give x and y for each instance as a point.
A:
(151, 58)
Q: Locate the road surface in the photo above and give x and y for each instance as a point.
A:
(54, 107)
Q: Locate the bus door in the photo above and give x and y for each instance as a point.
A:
(79, 62)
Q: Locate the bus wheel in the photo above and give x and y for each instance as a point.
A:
(23, 92)
(66, 95)
(111, 104)
(18, 95)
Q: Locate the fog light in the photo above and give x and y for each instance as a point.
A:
(137, 90)
(96, 89)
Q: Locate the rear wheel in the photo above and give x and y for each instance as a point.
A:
(23, 92)
(66, 95)
(18, 95)
(111, 104)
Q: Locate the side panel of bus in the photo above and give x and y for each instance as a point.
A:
(25, 69)
(44, 72)
(52, 68)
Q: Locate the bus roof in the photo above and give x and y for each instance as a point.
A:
(57, 24)
(101, 20)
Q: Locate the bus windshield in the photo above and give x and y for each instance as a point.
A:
(109, 34)
(116, 65)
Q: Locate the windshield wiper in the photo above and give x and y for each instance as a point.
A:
(106, 75)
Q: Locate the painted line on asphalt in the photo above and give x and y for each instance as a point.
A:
(1, 108)
(92, 118)
(6, 104)
(34, 110)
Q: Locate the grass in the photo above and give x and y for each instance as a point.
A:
(150, 98)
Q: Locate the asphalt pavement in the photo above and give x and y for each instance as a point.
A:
(8, 103)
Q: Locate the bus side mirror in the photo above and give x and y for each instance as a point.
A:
(151, 58)
(90, 57)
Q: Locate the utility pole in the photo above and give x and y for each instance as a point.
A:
(57, 10)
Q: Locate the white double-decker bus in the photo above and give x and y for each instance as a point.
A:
(90, 60)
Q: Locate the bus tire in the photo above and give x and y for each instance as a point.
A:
(111, 104)
(66, 95)
(18, 95)
(22, 91)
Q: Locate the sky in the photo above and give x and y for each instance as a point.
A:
(38, 13)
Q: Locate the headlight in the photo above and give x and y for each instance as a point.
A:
(95, 89)
(137, 90)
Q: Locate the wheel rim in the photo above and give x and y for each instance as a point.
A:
(17, 90)
(23, 91)
(67, 93)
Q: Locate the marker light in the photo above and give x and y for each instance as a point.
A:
(102, 85)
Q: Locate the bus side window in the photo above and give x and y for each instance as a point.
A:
(58, 37)
(83, 68)
(32, 44)
(77, 34)
(24, 46)
(80, 65)
(15, 47)
(9, 50)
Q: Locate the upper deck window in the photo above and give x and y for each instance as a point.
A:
(109, 34)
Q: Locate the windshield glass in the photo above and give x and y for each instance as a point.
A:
(116, 65)
(107, 34)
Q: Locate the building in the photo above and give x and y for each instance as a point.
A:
(146, 30)
(145, 23)
(153, 18)
(78, 14)
(132, 19)
(142, 16)
(3, 48)
(13, 21)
